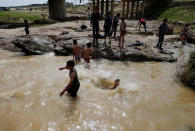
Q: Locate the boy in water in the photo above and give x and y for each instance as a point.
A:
(122, 33)
(162, 31)
(74, 84)
(107, 27)
(115, 24)
(116, 84)
(87, 53)
(26, 27)
(76, 52)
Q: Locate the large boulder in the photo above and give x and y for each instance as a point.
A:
(186, 70)
(6, 43)
(191, 37)
(134, 53)
(35, 44)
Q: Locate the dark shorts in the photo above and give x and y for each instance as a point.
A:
(123, 33)
(107, 32)
(73, 90)
(143, 23)
(78, 57)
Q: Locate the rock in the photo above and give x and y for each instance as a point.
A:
(6, 43)
(191, 37)
(169, 31)
(140, 53)
(35, 44)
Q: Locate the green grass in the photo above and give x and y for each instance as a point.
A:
(186, 14)
(14, 17)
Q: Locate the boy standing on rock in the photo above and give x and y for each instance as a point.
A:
(161, 33)
(123, 33)
(74, 84)
(184, 34)
(115, 24)
(142, 22)
(107, 27)
(95, 18)
(76, 52)
(26, 27)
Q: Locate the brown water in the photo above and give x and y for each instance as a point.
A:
(149, 99)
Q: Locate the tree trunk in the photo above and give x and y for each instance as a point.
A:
(112, 8)
(57, 9)
(123, 9)
(102, 8)
(127, 14)
(132, 8)
(143, 9)
(137, 9)
(93, 4)
(107, 6)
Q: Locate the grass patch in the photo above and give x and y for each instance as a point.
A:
(15, 17)
(186, 14)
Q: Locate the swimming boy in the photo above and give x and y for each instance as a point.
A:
(122, 33)
(116, 84)
(74, 84)
(87, 53)
(76, 52)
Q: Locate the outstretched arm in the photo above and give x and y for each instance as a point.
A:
(72, 76)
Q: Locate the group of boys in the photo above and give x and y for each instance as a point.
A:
(110, 27)
(79, 53)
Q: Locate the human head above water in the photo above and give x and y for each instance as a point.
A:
(88, 45)
(75, 42)
(117, 81)
(70, 64)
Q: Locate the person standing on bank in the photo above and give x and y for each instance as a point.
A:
(161, 33)
(74, 84)
(107, 27)
(122, 33)
(26, 27)
(95, 18)
(115, 24)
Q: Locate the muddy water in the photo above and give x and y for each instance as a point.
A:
(149, 99)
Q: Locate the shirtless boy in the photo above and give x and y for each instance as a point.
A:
(87, 53)
(76, 52)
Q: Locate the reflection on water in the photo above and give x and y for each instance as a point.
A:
(148, 97)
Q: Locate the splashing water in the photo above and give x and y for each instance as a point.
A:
(148, 97)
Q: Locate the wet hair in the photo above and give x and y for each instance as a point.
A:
(118, 14)
(26, 21)
(88, 45)
(74, 42)
(70, 63)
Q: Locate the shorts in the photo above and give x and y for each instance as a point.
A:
(87, 60)
(143, 23)
(183, 38)
(123, 33)
(107, 32)
(73, 90)
(78, 57)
